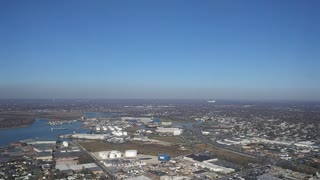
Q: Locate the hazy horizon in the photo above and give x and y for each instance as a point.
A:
(236, 50)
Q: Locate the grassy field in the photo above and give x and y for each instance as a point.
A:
(170, 139)
(149, 149)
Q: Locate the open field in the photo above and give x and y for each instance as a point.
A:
(143, 148)
(19, 118)
(227, 155)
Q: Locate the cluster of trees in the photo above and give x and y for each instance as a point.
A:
(14, 122)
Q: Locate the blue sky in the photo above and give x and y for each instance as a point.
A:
(224, 49)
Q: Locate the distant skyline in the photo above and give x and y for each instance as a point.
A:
(182, 49)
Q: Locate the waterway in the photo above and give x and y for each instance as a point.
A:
(39, 129)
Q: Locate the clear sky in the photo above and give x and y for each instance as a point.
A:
(220, 49)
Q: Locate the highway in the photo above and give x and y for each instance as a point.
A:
(202, 138)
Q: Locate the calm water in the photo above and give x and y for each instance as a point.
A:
(39, 129)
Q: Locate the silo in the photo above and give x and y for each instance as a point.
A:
(65, 143)
(118, 154)
(112, 155)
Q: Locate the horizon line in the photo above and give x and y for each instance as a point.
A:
(166, 99)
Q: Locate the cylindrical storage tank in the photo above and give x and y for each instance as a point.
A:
(130, 153)
(112, 155)
(65, 144)
(118, 154)
(104, 156)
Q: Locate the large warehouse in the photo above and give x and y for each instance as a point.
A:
(174, 131)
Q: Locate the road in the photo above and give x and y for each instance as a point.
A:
(105, 170)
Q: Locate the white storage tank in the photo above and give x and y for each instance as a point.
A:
(131, 153)
(104, 156)
(177, 132)
(118, 155)
(65, 143)
(112, 155)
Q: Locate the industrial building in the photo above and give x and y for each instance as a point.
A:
(131, 153)
(44, 156)
(38, 141)
(215, 168)
(207, 162)
(166, 123)
(90, 136)
(164, 157)
(141, 119)
(122, 163)
(174, 131)
(79, 167)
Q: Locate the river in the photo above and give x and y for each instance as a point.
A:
(39, 129)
